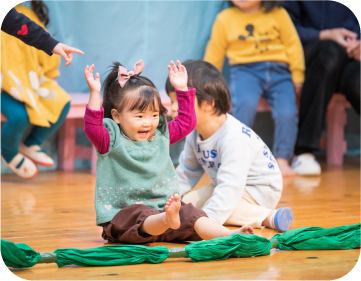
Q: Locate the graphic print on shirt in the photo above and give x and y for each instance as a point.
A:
(260, 38)
(208, 159)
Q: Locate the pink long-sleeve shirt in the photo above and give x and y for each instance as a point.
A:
(178, 128)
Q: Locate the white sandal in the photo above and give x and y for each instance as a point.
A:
(35, 154)
(27, 169)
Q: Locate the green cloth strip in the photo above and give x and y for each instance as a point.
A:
(18, 255)
(318, 238)
(112, 255)
(237, 245)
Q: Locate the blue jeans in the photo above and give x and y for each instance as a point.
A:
(273, 81)
(14, 128)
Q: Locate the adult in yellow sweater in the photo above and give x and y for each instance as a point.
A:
(30, 96)
(266, 58)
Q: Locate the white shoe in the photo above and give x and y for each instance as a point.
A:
(306, 165)
(35, 153)
(27, 169)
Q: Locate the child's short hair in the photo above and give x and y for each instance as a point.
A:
(138, 93)
(268, 5)
(209, 83)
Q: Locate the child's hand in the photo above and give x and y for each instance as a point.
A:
(93, 84)
(298, 87)
(178, 76)
(246, 229)
(66, 52)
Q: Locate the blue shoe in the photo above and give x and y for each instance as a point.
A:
(283, 218)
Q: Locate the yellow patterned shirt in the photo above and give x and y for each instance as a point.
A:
(247, 38)
(28, 75)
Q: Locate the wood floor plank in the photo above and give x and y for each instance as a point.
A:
(55, 210)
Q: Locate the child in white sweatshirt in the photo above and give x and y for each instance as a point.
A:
(246, 180)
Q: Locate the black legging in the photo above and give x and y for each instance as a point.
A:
(328, 70)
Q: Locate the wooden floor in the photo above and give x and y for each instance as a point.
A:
(55, 210)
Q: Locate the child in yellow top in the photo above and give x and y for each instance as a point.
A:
(30, 95)
(266, 58)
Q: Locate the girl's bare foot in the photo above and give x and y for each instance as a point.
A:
(172, 211)
(285, 168)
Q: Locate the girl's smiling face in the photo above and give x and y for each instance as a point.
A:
(138, 125)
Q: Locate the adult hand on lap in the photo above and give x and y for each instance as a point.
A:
(353, 49)
(339, 35)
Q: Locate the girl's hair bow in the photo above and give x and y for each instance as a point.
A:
(124, 75)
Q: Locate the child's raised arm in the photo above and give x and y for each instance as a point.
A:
(178, 76)
(186, 120)
(94, 113)
(94, 87)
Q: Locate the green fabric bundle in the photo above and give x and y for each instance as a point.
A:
(112, 255)
(318, 238)
(18, 255)
(237, 245)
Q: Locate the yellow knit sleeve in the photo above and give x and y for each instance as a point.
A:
(217, 45)
(293, 46)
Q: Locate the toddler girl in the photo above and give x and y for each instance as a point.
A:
(266, 56)
(136, 196)
(246, 180)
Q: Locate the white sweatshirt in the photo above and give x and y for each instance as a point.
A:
(234, 158)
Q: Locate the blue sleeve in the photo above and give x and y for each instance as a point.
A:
(306, 34)
(23, 28)
(354, 22)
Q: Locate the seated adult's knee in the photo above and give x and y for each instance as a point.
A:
(332, 54)
(350, 84)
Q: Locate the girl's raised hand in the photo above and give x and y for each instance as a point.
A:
(93, 84)
(178, 76)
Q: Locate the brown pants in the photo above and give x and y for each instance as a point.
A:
(125, 225)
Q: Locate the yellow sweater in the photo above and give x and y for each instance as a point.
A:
(28, 75)
(247, 38)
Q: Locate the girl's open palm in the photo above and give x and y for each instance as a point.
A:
(178, 76)
(93, 84)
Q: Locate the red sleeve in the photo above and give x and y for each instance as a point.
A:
(95, 131)
(186, 120)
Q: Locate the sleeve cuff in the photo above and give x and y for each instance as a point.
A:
(191, 91)
(94, 116)
(49, 45)
(298, 76)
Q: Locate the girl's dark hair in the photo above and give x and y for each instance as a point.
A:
(41, 10)
(145, 94)
(209, 83)
(268, 5)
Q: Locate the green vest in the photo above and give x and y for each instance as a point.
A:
(133, 173)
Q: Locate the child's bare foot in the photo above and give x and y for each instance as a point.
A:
(172, 211)
(246, 229)
(285, 168)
